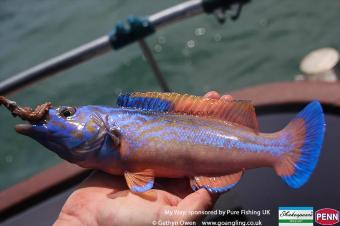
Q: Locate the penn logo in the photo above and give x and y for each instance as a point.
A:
(327, 216)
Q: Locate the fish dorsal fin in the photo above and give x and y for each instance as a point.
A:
(241, 112)
(216, 184)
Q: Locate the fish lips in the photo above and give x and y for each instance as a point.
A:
(29, 130)
(37, 132)
(40, 134)
(24, 129)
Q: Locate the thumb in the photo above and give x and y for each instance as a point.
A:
(196, 202)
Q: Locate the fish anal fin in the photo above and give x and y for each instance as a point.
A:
(216, 184)
(139, 181)
(241, 112)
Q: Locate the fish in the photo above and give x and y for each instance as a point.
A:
(212, 142)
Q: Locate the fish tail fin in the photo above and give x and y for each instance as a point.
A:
(304, 135)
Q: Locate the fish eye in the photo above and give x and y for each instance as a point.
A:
(67, 111)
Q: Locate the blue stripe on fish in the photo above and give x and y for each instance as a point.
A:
(143, 188)
(252, 143)
(143, 103)
(169, 133)
(214, 190)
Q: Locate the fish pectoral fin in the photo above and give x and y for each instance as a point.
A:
(114, 134)
(139, 181)
(216, 184)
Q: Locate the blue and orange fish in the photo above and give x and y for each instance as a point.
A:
(153, 134)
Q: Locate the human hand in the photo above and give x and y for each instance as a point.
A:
(105, 200)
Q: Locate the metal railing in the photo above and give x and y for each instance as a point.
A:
(136, 29)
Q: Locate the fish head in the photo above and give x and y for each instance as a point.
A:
(74, 133)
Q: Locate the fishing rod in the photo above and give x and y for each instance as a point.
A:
(123, 34)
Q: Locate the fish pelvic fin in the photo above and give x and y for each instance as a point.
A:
(305, 134)
(216, 184)
(139, 181)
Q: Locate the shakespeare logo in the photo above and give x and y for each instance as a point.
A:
(327, 216)
(294, 216)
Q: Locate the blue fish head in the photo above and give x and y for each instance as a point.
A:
(74, 133)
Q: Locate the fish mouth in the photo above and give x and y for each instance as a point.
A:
(24, 129)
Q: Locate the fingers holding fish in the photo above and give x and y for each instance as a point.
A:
(227, 97)
(200, 200)
(212, 95)
(180, 187)
(216, 95)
